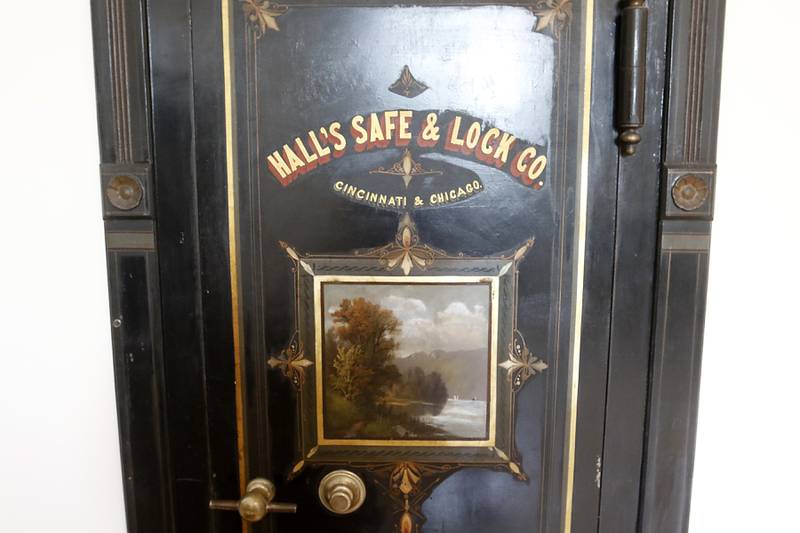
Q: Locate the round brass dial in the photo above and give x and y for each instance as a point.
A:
(342, 492)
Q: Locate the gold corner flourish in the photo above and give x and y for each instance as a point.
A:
(409, 484)
(552, 15)
(263, 15)
(513, 466)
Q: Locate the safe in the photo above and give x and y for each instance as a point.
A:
(431, 266)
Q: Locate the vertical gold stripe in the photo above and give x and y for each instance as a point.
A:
(580, 255)
(232, 243)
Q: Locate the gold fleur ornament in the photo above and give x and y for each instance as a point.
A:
(292, 361)
(552, 15)
(406, 251)
(407, 85)
(522, 365)
(406, 168)
(263, 15)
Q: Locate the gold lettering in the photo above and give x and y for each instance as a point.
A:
(302, 147)
(503, 147)
(537, 167)
(522, 163)
(294, 161)
(321, 152)
(486, 145)
(404, 132)
(473, 135)
(389, 123)
(375, 130)
(360, 135)
(335, 130)
(454, 127)
(277, 164)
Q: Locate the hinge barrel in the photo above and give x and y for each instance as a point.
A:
(631, 75)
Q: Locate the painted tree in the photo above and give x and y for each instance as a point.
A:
(371, 328)
(350, 377)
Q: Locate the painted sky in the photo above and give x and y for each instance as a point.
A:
(434, 317)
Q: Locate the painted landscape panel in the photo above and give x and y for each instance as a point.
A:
(406, 361)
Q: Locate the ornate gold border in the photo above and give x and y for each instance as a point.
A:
(579, 244)
(493, 283)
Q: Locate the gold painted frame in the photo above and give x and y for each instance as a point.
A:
(493, 283)
(408, 261)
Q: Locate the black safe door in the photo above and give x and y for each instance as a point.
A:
(388, 261)
(408, 186)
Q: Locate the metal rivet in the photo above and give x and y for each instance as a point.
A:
(124, 192)
(689, 192)
(116, 322)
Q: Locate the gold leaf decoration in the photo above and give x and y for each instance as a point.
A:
(406, 251)
(512, 466)
(263, 15)
(407, 85)
(406, 168)
(292, 361)
(289, 251)
(520, 254)
(552, 15)
(297, 468)
(521, 365)
(409, 484)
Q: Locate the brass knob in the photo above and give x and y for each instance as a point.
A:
(256, 502)
(342, 492)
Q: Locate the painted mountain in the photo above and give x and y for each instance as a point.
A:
(464, 372)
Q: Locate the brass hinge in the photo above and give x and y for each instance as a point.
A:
(631, 75)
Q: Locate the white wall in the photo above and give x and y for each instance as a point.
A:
(57, 419)
(59, 453)
(747, 470)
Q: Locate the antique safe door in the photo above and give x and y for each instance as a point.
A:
(379, 244)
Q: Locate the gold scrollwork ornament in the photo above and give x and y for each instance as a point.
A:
(292, 361)
(263, 15)
(521, 365)
(552, 15)
(406, 252)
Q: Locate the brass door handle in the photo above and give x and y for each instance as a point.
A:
(256, 502)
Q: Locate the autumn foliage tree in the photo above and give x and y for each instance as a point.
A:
(350, 377)
(365, 347)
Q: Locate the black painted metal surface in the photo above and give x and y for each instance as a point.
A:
(161, 103)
